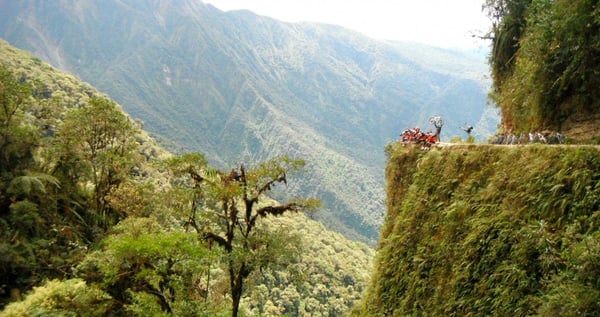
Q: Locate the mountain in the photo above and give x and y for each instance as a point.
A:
(242, 88)
(48, 227)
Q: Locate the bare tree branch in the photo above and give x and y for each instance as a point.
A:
(217, 239)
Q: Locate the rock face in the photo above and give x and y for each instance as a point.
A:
(583, 127)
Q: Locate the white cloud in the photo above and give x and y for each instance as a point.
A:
(441, 23)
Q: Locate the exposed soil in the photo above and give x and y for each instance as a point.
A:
(582, 128)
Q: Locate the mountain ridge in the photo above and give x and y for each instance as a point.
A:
(241, 87)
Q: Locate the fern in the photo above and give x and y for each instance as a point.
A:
(32, 184)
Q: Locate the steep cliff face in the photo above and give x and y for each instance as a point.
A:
(489, 230)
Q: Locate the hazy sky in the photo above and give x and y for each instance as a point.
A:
(443, 23)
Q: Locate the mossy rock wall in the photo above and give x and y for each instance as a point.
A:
(482, 230)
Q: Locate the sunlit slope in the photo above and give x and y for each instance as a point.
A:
(240, 87)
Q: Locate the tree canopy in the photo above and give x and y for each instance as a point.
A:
(230, 207)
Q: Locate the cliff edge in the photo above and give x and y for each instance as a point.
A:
(482, 230)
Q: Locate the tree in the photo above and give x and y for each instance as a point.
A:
(72, 297)
(22, 188)
(150, 269)
(97, 144)
(508, 24)
(17, 138)
(234, 203)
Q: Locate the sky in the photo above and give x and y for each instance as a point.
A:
(441, 23)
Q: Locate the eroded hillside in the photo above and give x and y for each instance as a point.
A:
(489, 230)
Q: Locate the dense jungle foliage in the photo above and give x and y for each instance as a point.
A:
(476, 230)
(545, 62)
(97, 220)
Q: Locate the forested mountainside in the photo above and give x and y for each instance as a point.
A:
(97, 220)
(489, 231)
(240, 87)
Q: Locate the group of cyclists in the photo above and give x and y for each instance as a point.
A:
(530, 137)
(417, 136)
(426, 139)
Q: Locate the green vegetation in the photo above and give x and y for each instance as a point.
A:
(329, 279)
(72, 297)
(225, 209)
(243, 88)
(150, 268)
(96, 144)
(505, 231)
(43, 229)
(545, 63)
(97, 220)
(484, 230)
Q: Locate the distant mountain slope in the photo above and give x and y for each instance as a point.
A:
(66, 92)
(240, 88)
